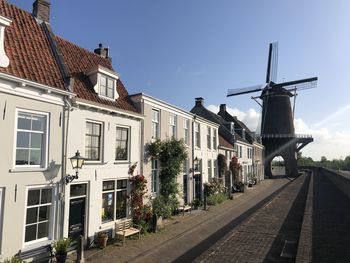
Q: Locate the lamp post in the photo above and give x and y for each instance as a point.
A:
(77, 162)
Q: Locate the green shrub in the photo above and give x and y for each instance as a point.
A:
(197, 203)
(164, 207)
(216, 198)
(61, 246)
(14, 259)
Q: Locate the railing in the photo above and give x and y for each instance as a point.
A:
(284, 135)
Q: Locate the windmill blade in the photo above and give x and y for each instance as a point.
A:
(235, 92)
(272, 63)
(301, 84)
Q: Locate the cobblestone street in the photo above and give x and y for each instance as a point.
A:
(280, 220)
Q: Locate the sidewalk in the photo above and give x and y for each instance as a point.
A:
(182, 233)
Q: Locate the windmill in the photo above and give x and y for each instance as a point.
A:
(277, 126)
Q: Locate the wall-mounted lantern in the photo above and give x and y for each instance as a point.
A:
(77, 162)
(195, 167)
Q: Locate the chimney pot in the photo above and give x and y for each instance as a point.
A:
(102, 51)
(41, 10)
(222, 107)
(199, 102)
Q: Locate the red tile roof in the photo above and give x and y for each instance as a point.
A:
(79, 61)
(28, 49)
(31, 57)
(224, 143)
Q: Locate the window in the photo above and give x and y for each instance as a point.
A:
(232, 128)
(121, 149)
(240, 152)
(210, 175)
(186, 132)
(215, 168)
(107, 86)
(31, 145)
(155, 124)
(154, 179)
(185, 166)
(114, 195)
(197, 134)
(209, 138)
(38, 216)
(214, 139)
(93, 141)
(172, 131)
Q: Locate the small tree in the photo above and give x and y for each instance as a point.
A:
(235, 168)
(140, 212)
(222, 165)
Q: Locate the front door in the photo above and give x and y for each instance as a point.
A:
(76, 218)
(198, 186)
(77, 211)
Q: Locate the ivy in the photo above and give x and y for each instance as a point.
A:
(171, 154)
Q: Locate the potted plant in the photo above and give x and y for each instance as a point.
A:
(14, 259)
(196, 203)
(61, 247)
(102, 238)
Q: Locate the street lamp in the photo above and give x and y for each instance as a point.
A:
(195, 165)
(77, 162)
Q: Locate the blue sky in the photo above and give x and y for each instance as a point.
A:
(179, 50)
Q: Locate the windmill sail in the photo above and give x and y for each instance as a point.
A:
(301, 84)
(272, 63)
(234, 92)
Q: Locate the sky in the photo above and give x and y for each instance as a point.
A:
(179, 50)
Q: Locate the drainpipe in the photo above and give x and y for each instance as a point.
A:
(193, 143)
(65, 126)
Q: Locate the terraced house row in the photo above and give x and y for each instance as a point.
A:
(59, 101)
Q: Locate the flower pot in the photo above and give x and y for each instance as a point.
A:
(102, 241)
(61, 258)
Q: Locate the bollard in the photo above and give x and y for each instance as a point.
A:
(80, 250)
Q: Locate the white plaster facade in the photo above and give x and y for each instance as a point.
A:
(96, 173)
(19, 97)
(184, 127)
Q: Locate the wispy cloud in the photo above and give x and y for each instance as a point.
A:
(332, 116)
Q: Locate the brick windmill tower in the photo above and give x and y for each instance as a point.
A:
(277, 117)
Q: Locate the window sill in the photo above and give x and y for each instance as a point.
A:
(95, 163)
(122, 162)
(29, 169)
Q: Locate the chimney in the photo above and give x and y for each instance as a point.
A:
(41, 10)
(199, 102)
(102, 51)
(222, 108)
(243, 134)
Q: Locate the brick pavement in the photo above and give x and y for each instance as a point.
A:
(185, 232)
(261, 237)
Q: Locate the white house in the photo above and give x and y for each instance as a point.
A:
(33, 97)
(163, 121)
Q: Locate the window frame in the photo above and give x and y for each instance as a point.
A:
(45, 152)
(128, 143)
(197, 134)
(115, 191)
(157, 124)
(154, 175)
(209, 137)
(51, 220)
(186, 125)
(101, 75)
(101, 147)
(173, 126)
(214, 139)
(209, 166)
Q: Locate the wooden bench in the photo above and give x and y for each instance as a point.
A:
(184, 208)
(40, 254)
(126, 228)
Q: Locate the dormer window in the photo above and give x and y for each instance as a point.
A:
(107, 86)
(4, 60)
(232, 128)
(104, 82)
